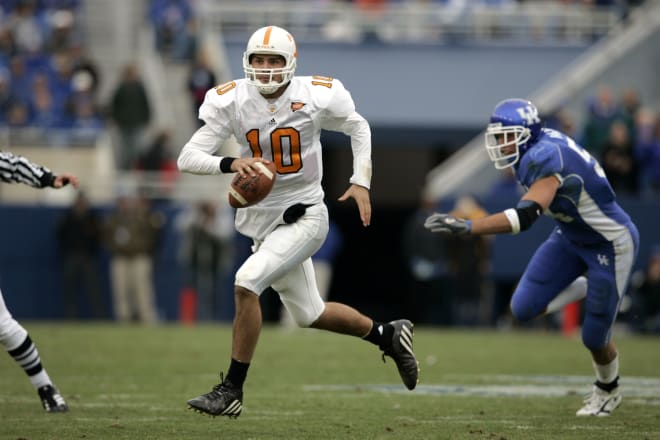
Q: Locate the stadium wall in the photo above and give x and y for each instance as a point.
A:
(370, 273)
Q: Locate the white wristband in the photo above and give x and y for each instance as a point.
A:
(512, 216)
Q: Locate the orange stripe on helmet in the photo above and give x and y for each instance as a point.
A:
(267, 36)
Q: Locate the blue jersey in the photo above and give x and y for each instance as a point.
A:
(585, 206)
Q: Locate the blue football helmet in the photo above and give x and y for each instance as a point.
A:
(514, 125)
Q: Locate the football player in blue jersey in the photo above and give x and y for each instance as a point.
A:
(594, 237)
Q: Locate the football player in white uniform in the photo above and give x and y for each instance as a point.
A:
(278, 117)
(13, 336)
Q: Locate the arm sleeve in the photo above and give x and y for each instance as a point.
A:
(18, 169)
(197, 157)
(340, 115)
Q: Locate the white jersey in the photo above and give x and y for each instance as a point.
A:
(285, 130)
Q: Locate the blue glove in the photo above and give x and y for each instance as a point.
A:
(447, 224)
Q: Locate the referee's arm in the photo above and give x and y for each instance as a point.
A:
(18, 169)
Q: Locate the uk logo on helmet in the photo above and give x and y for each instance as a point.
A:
(529, 114)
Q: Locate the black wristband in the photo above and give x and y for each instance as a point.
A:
(47, 179)
(225, 164)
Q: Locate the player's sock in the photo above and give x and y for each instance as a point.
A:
(380, 334)
(575, 291)
(27, 356)
(237, 373)
(607, 376)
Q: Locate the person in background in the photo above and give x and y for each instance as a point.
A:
(13, 336)
(278, 117)
(594, 235)
(130, 110)
(432, 300)
(79, 237)
(207, 253)
(468, 264)
(200, 79)
(131, 234)
(646, 295)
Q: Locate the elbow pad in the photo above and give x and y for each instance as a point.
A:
(525, 214)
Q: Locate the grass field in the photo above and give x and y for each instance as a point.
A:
(130, 382)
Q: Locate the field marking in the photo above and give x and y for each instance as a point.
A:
(644, 390)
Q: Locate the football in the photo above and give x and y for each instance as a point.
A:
(247, 191)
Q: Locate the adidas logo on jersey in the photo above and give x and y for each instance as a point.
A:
(272, 122)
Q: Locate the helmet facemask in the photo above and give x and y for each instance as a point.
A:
(270, 40)
(504, 143)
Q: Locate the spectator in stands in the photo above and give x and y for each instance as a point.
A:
(646, 295)
(158, 160)
(174, 24)
(200, 80)
(18, 114)
(618, 160)
(85, 121)
(5, 94)
(563, 121)
(29, 28)
(468, 264)
(432, 300)
(79, 237)
(60, 80)
(131, 112)
(20, 79)
(602, 112)
(131, 234)
(648, 151)
(85, 67)
(63, 32)
(207, 254)
(43, 113)
(630, 104)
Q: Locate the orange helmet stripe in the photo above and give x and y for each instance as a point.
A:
(267, 36)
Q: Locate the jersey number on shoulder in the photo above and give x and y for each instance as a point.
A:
(324, 81)
(224, 88)
(285, 146)
(584, 154)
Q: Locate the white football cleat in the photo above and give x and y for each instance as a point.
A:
(600, 403)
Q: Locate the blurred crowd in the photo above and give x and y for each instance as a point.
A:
(623, 133)
(47, 81)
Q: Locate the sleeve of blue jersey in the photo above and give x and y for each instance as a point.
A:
(543, 159)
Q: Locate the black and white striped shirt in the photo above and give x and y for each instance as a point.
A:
(18, 169)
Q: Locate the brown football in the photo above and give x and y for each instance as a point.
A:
(247, 191)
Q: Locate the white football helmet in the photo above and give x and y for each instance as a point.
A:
(270, 40)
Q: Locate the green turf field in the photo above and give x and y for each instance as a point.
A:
(130, 382)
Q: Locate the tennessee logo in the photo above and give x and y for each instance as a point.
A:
(295, 106)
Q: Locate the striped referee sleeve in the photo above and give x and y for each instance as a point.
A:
(18, 169)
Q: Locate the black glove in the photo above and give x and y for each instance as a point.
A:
(294, 212)
(447, 224)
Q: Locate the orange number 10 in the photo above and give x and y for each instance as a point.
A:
(285, 161)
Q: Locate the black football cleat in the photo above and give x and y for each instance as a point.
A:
(401, 350)
(223, 400)
(51, 399)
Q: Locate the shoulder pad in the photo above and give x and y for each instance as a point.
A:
(218, 100)
(542, 159)
(330, 94)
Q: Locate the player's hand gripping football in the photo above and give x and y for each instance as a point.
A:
(245, 166)
(447, 224)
